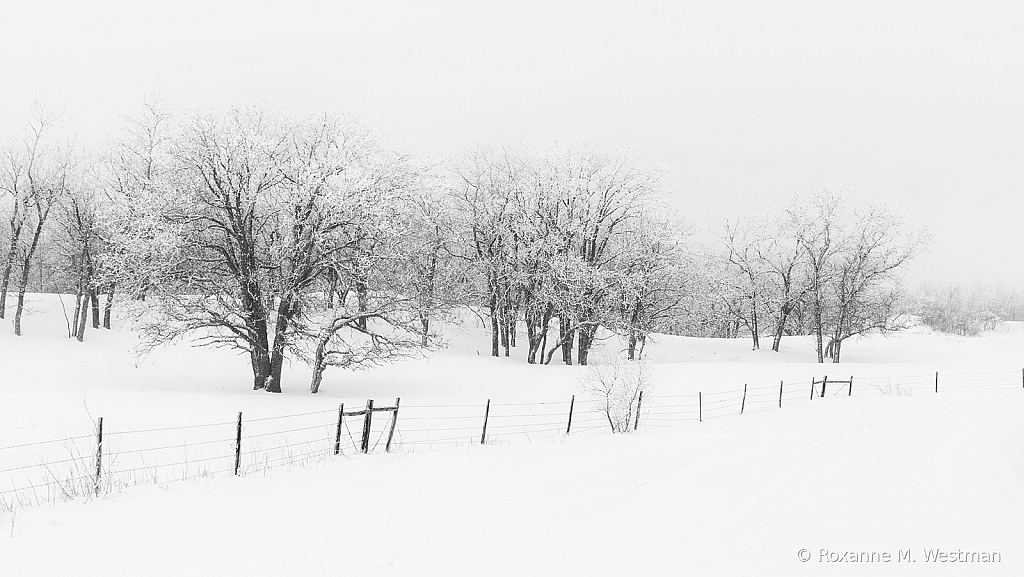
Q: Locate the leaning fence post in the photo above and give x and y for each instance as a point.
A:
(639, 402)
(487, 413)
(367, 420)
(700, 408)
(780, 393)
(238, 443)
(337, 433)
(99, 453)
(850, 390)
(394, 420)
(812, 388)
(744, 403)
(936, 381)
(572, 402)
(823, 383)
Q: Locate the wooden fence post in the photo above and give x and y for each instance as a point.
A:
(936, 381)
(780, 393)
(572, 402)
(850, 390)
(823, 382)
(337, 434)
(639, 403)
(812, 388)
(743, 405)
(487, 413)
(367, 421)
(99, 453)
(238, 443)
(394, 420)
(700, 408)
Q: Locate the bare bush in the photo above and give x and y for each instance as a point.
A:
(893, 387)
(616, 386)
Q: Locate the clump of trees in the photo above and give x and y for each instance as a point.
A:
(307, 238)
(817, 268)
(567, 241)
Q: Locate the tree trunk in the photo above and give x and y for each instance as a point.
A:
(818, 330)
(74, 332)
(503, 328)
(319, 361)
(361, 295)
(513, 319)
(493, 305)
(285, 310)
(94, 300)
(780, 328)
(631, 347)
(532, 338)
(537, 333)
(83, 312)
(5, 283)
(836, 350)
(108, 307)
(566, 335)
(425, 323)
(754, 328)
(587, 334)
(25, 269)
(332, 288)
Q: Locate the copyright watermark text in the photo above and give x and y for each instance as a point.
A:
(899, 556)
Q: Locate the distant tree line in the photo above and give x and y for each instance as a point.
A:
(967, 310)
(308, 238)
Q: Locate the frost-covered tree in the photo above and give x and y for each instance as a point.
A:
(865, 288)
(815, 221)
(655, 284)
(745, 284)
(78, 244)
(36, 173)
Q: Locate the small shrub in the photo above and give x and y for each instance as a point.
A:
(616, 386)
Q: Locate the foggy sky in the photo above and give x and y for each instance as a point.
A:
(918, 103)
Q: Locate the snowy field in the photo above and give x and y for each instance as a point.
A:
(699, 490)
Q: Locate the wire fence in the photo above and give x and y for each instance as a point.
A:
(85, 465)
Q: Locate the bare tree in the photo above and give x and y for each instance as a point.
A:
(866, 285)
(654, 282)
(814, 218)
(36, 175)
(782, 259)
(746, 279)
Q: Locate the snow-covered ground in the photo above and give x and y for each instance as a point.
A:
(895, 467)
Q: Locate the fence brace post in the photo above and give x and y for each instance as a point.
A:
(572, 402)
(823, 383)
(238, 443)
(337, 434)
(849, 392)
(367, 420)
(743, 404)
(99, 453)
(487, 413)
(394, 420)
(639, 403)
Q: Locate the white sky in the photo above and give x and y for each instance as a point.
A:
(916, 102)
